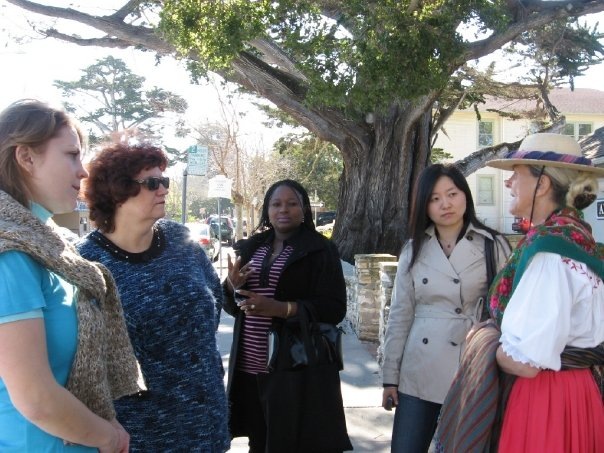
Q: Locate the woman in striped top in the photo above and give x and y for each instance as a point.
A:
(284, 268)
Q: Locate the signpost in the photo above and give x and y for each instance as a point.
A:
(197, 164)
(219, 187)
(197, 160)
(316, 203)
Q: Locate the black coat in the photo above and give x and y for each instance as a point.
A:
(312, 276)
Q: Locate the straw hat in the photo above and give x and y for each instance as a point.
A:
(550, 150)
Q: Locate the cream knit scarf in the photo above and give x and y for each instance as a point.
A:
(104, 367)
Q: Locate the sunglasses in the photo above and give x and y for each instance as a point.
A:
(153, 182)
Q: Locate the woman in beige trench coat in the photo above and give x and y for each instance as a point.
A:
(438, 295)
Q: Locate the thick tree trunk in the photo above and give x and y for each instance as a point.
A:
(377, 185)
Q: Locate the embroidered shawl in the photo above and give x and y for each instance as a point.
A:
(472, 413)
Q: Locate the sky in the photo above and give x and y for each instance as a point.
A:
(29, 69)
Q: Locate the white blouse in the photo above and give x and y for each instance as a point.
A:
(557, 302)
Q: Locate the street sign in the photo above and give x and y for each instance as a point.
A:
(197, 160)
(219, 187)
(600, 209)
(316, 205)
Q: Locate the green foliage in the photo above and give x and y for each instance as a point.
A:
(111, 98)
(438, 155)
(356, 54)
(560, 50)
(208, 26)
(316, 164)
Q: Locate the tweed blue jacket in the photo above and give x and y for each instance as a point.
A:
(172, 300)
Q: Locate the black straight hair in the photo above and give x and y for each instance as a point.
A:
(424, 186)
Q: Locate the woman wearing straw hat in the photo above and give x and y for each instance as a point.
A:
(548, 302)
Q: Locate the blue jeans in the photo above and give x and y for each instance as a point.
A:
(414, 424)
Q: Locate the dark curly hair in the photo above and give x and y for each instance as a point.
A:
(110, 174)
(296, 187)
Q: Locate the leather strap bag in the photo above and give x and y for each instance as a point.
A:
(300, 342)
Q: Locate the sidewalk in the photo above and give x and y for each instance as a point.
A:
(369, 425)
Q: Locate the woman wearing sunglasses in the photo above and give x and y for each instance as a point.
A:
(64, 348)
(172, 300)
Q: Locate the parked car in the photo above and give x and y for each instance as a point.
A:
(203, 234)
(323, 218)
(227, 230)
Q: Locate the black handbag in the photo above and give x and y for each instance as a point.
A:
(286, 343)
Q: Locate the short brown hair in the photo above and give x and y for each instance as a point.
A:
(110, 183)
(30, 123)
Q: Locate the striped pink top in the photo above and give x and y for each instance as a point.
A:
(253, 349)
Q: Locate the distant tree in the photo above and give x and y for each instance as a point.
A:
(316, 164)
(113, 101)
(439, 155)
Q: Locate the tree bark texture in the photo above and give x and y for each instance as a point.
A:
(377, 185)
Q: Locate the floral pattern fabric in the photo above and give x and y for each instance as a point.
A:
(566, 225)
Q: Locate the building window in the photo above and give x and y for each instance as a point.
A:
(486, 190)
(485, 134)
(578, 130)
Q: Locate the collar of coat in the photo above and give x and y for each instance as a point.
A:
(472, 229)
(304, 241)
(104, 366)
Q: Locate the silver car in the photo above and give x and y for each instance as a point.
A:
(203, 234)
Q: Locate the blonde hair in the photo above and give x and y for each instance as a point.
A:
(30, 123)
(570, 187)
(582, 191)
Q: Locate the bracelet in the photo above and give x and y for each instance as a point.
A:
(289, 309)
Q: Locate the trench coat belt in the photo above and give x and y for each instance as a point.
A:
(427, 311)
(457, 334)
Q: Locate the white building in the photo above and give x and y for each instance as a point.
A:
(464, 133)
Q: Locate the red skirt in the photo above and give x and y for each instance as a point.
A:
(555, 412)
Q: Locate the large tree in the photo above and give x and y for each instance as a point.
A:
(364, 75)
(316, 164)
(113, 100)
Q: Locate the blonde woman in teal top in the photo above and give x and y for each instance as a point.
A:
(54, 305)
(29, 291)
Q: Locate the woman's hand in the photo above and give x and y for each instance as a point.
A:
(238, 275)
(259, 305)
(390, 392)
(112, 445)
(123, 445)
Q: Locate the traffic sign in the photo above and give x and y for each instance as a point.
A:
(219, 187)
(197, 160)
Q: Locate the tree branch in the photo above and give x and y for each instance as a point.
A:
(125, 10)
(102, 42)
(328, 124)
(548, 11)
(274, 55)
(111, 25)
(477, 159)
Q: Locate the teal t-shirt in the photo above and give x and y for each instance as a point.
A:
(28, 290)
